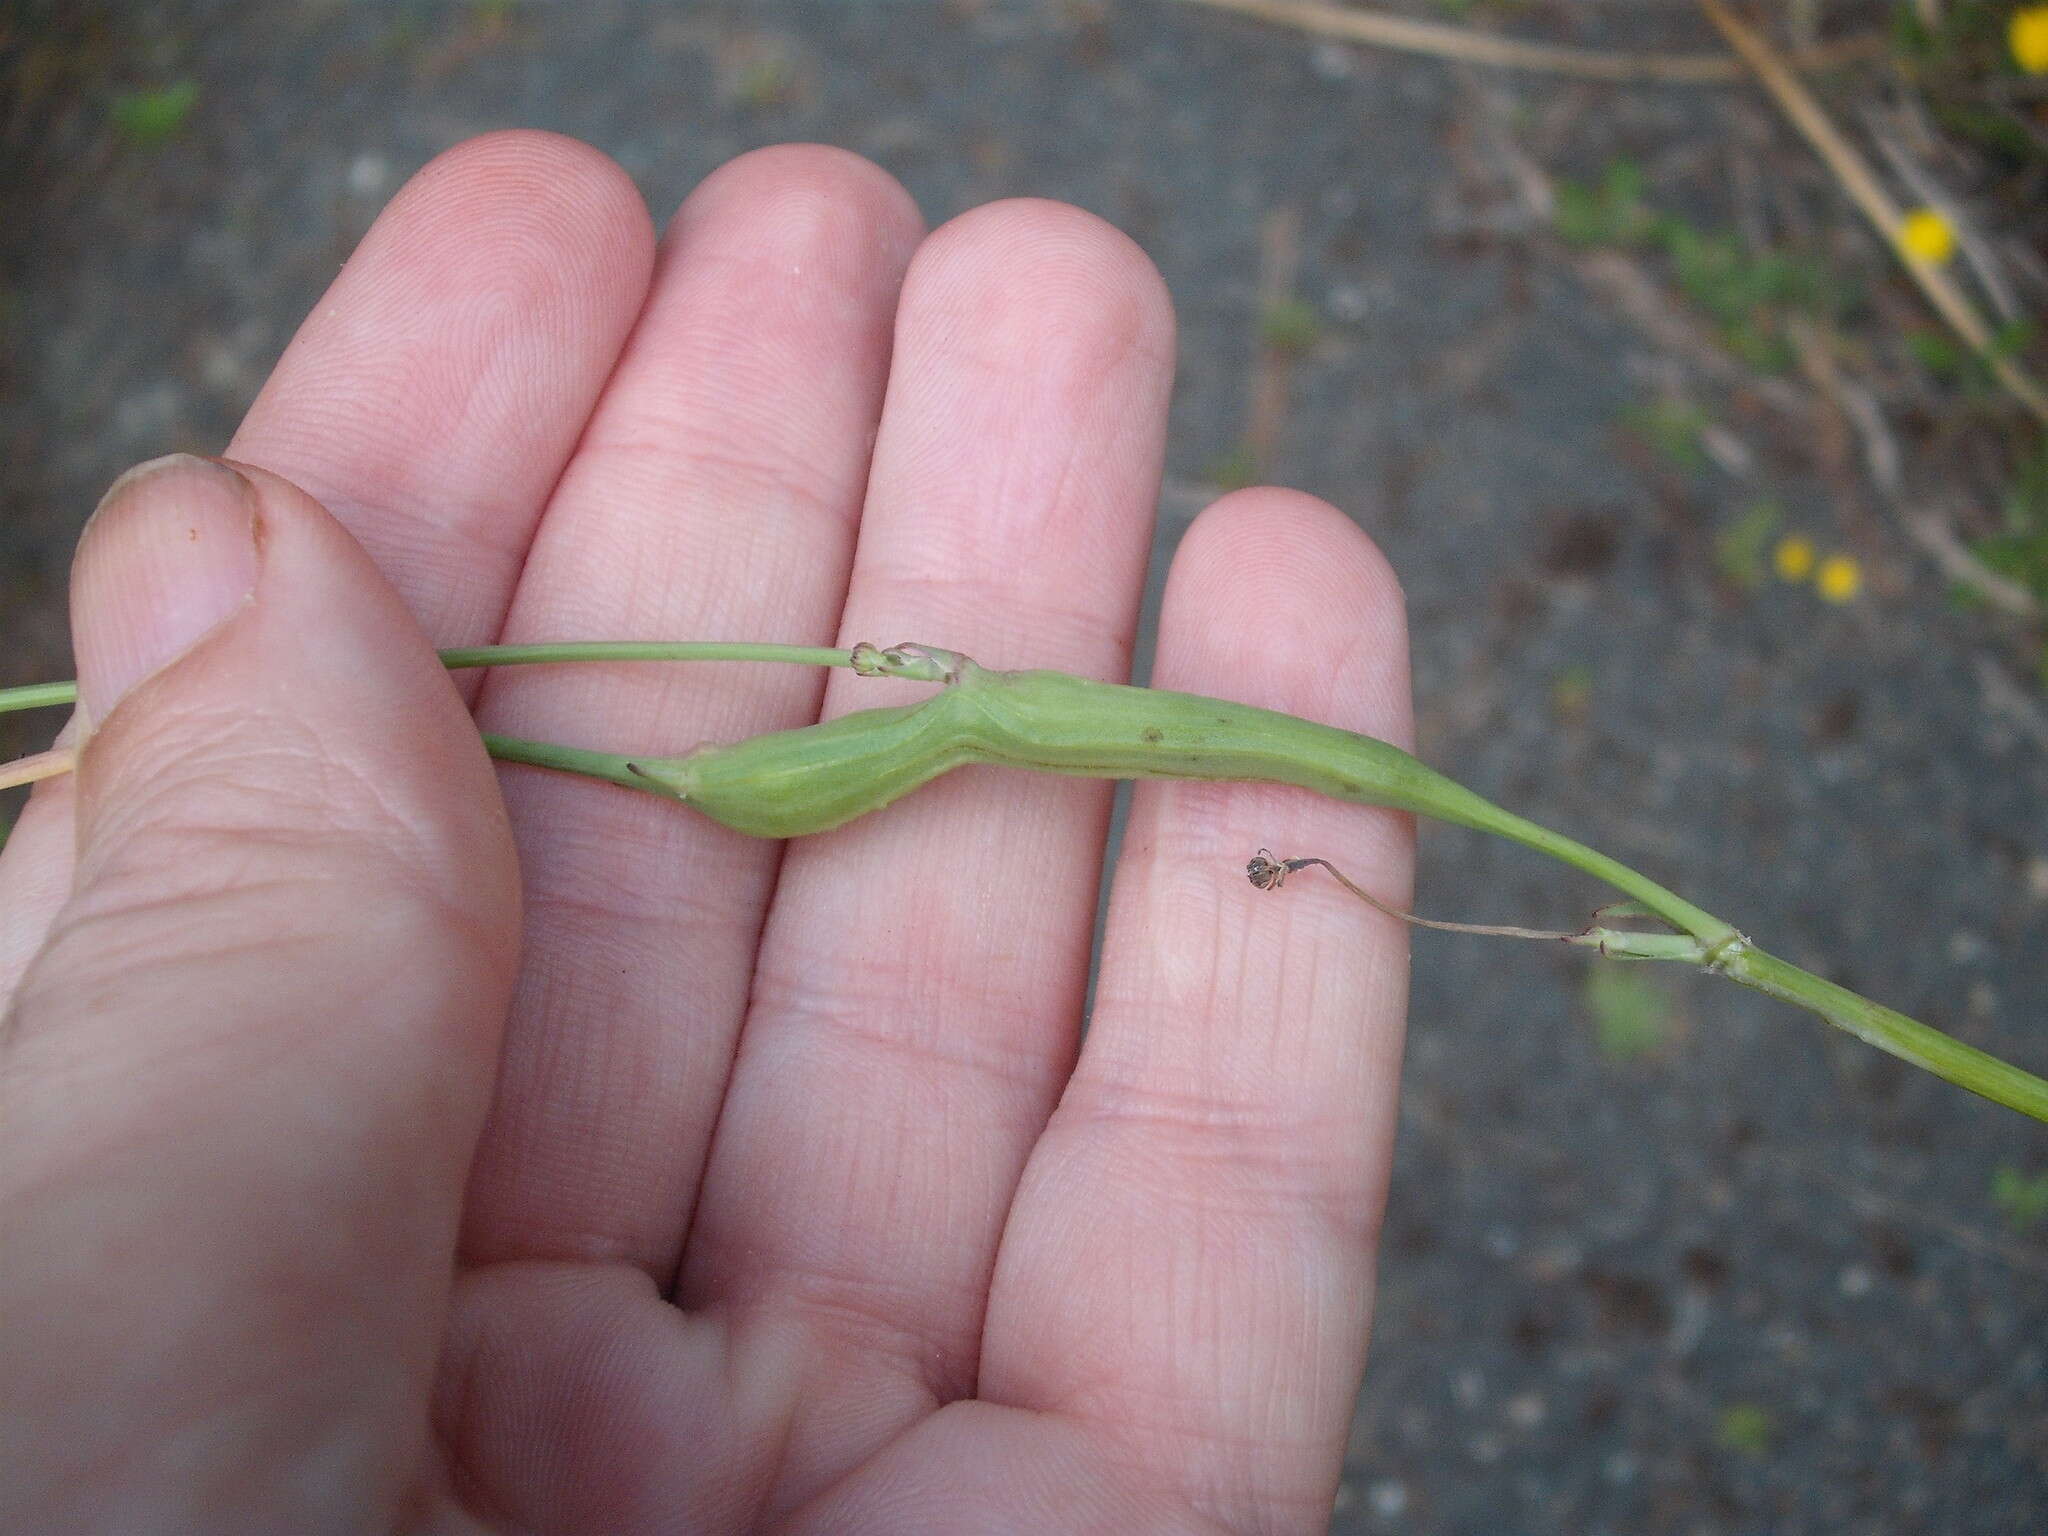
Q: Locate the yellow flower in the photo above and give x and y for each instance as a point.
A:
(2028, 35)
(1793, 558)
(1840, 578)
(1927, 236)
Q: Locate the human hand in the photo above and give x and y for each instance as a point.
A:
(735, 1186)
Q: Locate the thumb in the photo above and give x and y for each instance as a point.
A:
(242, 1080)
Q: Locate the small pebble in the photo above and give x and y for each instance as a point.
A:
(1333, 61)
(368, 175)
(1348, 303)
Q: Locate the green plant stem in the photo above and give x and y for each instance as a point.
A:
(1906, 1038)
(794, 782)
(790, 783)
(37, 696)
(1741, 961)
(635, 650)
(49, 695)
(609, 766)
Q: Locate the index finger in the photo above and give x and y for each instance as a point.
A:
(429, 402)
(435, 392)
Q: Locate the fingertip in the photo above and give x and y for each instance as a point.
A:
(548, 176)
(536, 218)
(800, 192)
(1032, 269)
(432, 396)
(1286, 579)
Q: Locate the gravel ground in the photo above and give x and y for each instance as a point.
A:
(1739, 1275)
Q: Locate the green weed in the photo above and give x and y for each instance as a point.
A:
(1631, 1013)
(1673, 429)
(1291, 325)
(1571, 693)
(1748, 295)
(1612, 212)
(1742, 548)
(765, 82)
(2021, 1200)
(1745, 1428)
(2020, 552)
(1234, 470)
(150, 118)
(1953, 361)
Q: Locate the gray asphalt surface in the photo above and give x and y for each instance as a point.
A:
(1752, 1280)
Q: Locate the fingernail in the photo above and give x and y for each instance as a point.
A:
(167, 556)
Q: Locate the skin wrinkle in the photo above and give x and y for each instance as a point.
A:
(796, 505)
(932, 948)
(416, 416)
(255, 860)
(628, 920)
(1324, 1186)
(325, 418)
(1074, 625)
(1334, 917)
(999, 524)
(735, 371)
(1162, 1409)
(235, 853)
(1074, 1492)
(291, 777)
(861, 1315)
(802, 1015)
(84, 951)
(581, 1184)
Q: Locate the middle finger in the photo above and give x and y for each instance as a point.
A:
(920, 982)
(714, 496)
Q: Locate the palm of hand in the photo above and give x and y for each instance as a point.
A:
(793, 1208)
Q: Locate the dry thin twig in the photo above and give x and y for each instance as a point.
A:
(1624, 282)
(1279, 265)
(37, 765)
(1619, 278)
(2020, 1256)
(1269, 874)
(2008, 700)
(1438, 40)
(1933, 534)
(1975, 248)
(1864, 189)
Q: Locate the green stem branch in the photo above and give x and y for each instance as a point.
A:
(790, 783)
(1906, 1038)
(609, 766)
(49, 695)
(37, 696)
